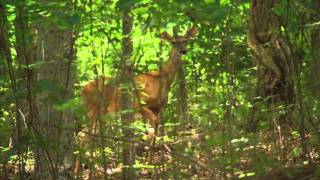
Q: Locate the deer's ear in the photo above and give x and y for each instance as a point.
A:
(166, 36)
(191, 33)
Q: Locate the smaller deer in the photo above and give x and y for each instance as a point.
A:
(103, 97)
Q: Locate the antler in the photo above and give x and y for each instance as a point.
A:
(191, 32)
(166, 36)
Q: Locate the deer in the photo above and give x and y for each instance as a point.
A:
(154, 88)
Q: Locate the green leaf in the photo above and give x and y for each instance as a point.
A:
(317, 171)
(279, 10)
(225, 2)
(36, 64)
(125, 4)
(143, 102)
(40, 140)
(74, 19)
(48, 85)
(296, 151)
(209, 1)
(250, 174)
(68, 104)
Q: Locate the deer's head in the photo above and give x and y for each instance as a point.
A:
(179, 42)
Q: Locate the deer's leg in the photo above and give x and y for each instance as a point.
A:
(85, 140)
(154, 121)
(77, 166)
(152, 118)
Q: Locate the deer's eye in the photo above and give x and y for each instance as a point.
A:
(174, 42)
(183, 52)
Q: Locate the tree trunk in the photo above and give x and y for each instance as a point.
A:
(182, 98)
(54, 155)
(315, 51)
(272, 56)
(128, 151)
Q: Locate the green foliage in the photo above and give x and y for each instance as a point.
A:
(317, 172)
(220, 79)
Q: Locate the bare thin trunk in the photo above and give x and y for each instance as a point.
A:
(128, 152)
(26, 55)
(5, 53)
(183, 97)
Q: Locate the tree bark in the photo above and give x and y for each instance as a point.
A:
(272, 56)
(128, 152)
(54, 156)
(315, 51)
(182, 108)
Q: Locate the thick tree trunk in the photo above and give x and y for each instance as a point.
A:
(272, 56)
(315, 51)
(54, 156)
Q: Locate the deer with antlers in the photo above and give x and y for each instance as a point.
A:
(101, 97)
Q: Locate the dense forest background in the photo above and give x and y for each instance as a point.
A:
(244, 103)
